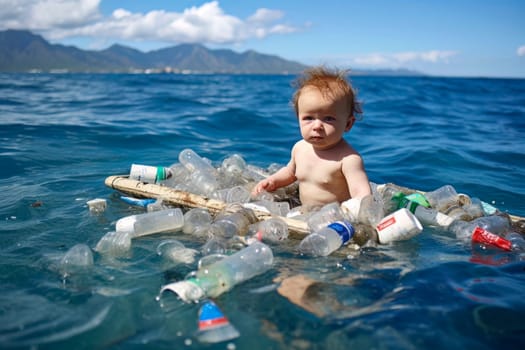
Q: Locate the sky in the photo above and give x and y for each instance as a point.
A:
(470, 38)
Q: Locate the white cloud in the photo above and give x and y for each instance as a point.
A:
(208, 23)
(44, 15)
(521, 50)
(399, 58)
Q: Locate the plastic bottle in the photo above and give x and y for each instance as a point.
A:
(114, 243)
(223, 275)
(234, 164)
(153, 222)
(325, 241)
(203, 174)
(149, 174)
(516, 240)
(427, 216)
(235, 194)
(79, 256)
(494, 223)
(214, 327)
(269, 230)
(442, 197)
(196, 221)
(485, 229)
(328, 213)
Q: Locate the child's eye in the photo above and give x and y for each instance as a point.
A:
(307, 118)
(329, 119)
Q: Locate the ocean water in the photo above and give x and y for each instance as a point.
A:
(62, 135)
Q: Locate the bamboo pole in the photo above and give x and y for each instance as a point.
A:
(297, 229)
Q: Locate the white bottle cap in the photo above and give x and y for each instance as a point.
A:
(126, 224)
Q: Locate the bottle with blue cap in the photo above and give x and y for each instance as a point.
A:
(214, 327)
(325, 241)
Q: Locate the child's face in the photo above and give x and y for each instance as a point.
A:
(322, 121)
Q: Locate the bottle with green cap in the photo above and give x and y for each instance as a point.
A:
(417, 204)
(149, 174)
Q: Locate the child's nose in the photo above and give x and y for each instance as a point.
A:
(318, 124)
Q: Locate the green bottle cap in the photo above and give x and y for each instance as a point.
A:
(419, 199)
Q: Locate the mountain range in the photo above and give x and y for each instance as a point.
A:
(23, 51)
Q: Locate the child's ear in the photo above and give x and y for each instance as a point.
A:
(349, 123)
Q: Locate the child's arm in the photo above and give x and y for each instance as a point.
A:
(356, 177)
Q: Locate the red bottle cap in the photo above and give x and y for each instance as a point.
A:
(480, 235)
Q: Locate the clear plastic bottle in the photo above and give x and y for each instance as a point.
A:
(214, 327)
(79, 256)
(270, 230)
(442, 197)
(235, 194)
(325, 241)
(203, 174)
(233, 165)
(493, 224)
(153, 222)
(114, 243)
(327, 214)
(516, 240)
(196, 221)
(221, 276)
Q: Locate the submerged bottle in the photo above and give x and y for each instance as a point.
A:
(328, 239)
(214, 327)
(270, 230)
(516, 240)
(152, 222)
(223, 275)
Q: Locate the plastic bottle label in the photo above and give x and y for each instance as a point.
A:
(343, 229)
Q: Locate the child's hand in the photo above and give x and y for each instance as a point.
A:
(264, 185)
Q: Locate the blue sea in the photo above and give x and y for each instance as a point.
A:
(62, 135)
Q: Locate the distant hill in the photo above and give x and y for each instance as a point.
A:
(23, 51)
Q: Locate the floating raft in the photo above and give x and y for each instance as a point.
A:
(297, 229)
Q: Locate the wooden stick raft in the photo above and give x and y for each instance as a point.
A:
(297, 229)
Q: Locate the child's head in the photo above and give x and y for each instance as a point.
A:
(325, 106)
(332, 84)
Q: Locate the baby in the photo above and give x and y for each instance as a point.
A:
(327, 168)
